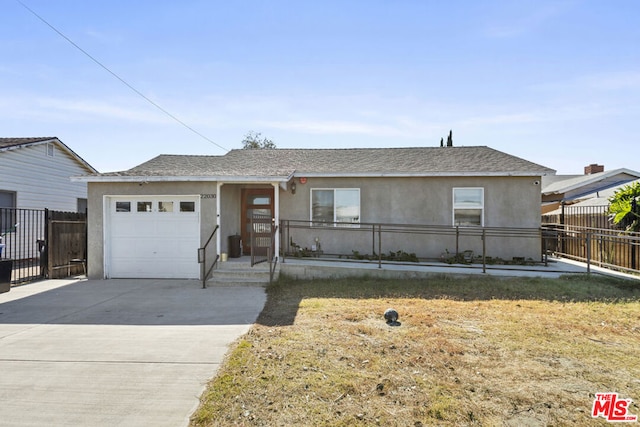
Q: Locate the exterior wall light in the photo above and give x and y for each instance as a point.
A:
(293, 188)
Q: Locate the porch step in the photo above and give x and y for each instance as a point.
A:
(240, 272)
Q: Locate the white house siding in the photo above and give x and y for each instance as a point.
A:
(41, 181)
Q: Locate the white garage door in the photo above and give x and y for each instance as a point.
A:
(153, 237)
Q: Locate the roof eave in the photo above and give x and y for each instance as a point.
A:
(416, 175)
(282, 178)
(588, 180)
(156, 178)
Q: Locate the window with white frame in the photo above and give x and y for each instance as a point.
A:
(337, 207)
(468, 207)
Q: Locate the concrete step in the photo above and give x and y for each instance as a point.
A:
(239, 272)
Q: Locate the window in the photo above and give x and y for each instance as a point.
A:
(123, 206)
(144, 206)
(187, 206)
(165, 206)
(331, 206)
(7, 211)
(50, 150)
(468, 207)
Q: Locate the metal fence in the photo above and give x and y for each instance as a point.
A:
(23, 241)
(422, 242)
(580, 216)
(586, 234)
(595, 246)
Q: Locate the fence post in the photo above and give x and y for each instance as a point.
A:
(373, 238)
(588, 238)
(202, 259)
(546, 248)
(379, 245)
(484, 250)
(633, 254)
(284, 234)
(47, 236)
(563, 228)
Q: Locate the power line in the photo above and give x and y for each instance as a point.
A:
(123, 81)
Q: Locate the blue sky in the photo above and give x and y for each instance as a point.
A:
(554, 82)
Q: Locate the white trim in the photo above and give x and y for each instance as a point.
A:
(106, 243)
(334, 189)
(182, 178)
(218, 223)
(415, 174)
(453, 205)
(276, 217)
(282, 179)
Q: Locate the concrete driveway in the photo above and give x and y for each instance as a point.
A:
(115, 352)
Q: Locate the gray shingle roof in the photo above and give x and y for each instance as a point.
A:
(282, 163)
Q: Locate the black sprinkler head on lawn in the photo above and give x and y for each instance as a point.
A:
(391, 316)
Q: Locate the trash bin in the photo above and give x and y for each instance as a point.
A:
(44, 256)
(235, 245)
(6, 266)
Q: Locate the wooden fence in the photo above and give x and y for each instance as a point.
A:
(66, 244)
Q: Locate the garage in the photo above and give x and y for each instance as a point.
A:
(152, 237)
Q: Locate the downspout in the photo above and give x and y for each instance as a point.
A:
(218, 204)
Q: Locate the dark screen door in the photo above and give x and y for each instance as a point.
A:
(255, 202)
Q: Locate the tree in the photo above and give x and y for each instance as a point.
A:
(254, 141)
(624, 207)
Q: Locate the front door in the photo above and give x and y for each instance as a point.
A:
(255, 202)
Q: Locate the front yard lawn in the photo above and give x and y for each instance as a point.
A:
(469, 351)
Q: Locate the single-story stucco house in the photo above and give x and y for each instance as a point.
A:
(149, 221)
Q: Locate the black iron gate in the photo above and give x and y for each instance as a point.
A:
(42, 243)
(22, 233)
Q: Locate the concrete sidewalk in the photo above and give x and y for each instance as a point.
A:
(115, 352)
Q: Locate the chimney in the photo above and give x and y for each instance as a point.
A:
(593, 168)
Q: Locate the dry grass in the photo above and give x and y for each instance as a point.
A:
(473, 351)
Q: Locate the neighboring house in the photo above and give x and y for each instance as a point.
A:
(149, 221)
(596, 202)
(573, 189)
(35, 174)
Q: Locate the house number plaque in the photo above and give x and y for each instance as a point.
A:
(207, 196)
